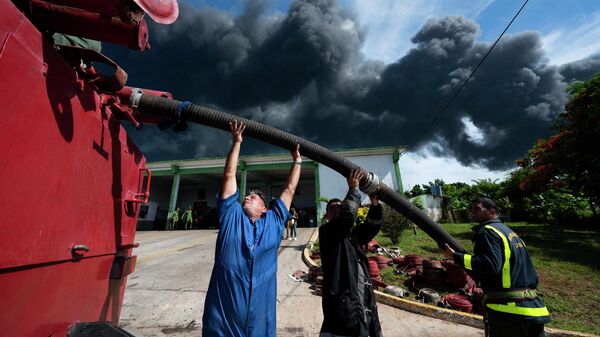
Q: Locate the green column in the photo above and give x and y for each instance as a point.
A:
(174, 188)
(396, 158)
(243, 177)
(268, 191)
(317, 194)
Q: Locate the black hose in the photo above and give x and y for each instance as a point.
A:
(173, 109)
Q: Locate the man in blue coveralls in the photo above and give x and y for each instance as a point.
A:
(241, 296)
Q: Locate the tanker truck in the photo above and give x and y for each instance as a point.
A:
(71, 179)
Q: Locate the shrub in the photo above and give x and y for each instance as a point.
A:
(394, 224)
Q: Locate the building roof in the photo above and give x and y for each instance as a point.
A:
(258, 160)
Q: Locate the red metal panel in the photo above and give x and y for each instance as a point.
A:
(14, 24)
(66, 168)
(59, 295)
(67, 165)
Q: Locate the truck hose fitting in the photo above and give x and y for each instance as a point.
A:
(370, 185)
(134, 101)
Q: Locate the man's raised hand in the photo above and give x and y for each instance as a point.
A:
(237, 128)
(296, 154)
(354, 178)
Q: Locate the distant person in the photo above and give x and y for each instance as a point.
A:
(302, 218)
(188, 218)
(501, 264)
(349, 307)
(293, 223)
(156, 225)
(288, 223)
(241, 297)
(173, 219)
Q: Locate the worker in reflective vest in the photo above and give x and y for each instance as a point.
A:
(502, 266)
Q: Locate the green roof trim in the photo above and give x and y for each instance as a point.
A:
(396, 148)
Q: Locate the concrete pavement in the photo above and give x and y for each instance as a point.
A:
(165, 295)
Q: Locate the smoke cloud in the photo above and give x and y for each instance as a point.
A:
(581, 70)
(303, 72)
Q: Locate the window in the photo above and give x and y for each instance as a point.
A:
(143, 212)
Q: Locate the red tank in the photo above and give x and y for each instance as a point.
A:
(71, 180)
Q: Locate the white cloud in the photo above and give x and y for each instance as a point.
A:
(474, 134)
(423, 167)
(391, 24)
(572, 43)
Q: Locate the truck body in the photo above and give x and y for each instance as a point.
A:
(71, 179)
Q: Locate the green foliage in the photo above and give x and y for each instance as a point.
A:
(439, 182)
(316, 247)
(418, 202)
(485, 188)
(415, 191)
(393, 224)
(504, 203)
(557, 182)
(558, 208)
(570, 159)
(459, 195)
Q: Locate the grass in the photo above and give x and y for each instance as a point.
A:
(567, 261)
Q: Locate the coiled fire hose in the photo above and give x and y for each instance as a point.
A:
(185, 111)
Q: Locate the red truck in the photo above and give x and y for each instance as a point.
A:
(71, 180)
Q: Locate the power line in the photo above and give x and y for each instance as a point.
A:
(439, 114)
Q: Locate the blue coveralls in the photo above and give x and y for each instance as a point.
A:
(241, 297)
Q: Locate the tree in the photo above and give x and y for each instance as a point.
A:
(415, 191)
(570, 159)
(393, 224)
(460, 194)
(553, 205)
(486, 188)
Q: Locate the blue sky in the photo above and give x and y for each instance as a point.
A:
(568, 30)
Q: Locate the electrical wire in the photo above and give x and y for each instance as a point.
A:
(439, 114)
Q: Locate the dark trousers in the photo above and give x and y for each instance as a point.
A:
(498, 327)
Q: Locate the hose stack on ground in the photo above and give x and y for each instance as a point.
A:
(173, 109)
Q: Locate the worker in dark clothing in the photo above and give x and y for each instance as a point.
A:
(349, 307)
(502, 266)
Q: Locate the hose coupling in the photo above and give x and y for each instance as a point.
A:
(371, 184)
(134, 101)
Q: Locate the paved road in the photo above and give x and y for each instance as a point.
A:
(165, 295)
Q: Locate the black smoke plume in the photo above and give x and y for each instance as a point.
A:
(303, 72)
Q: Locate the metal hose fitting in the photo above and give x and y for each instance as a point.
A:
(370, 185)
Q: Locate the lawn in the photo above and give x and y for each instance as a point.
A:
(567, 260)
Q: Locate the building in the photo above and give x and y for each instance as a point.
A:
(195, 183)
(432, 205)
